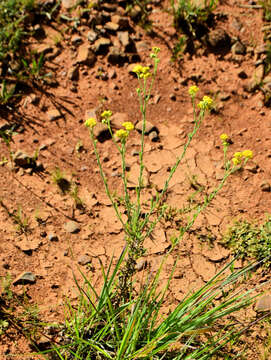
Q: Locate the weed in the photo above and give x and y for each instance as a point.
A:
(33, 69)
(21, 221)
(179, 48)
(78, 202)
(61, 181)
(266, 5)
(250, 241)
(120, 323)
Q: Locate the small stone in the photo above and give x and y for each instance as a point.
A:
(85, 56)
(238, 48)
(264, 304)
(76, 40)
(122, 21)
(112, 74)
(111, 26)
(53, 114)
(123, 37)
(153, 136)
(68, 4)
(218, 40)
(22, 159)
(71, 227)
(101, 132)
(156, 99)
(265, 186)
(73, 73)
(101, 45)
(24, 278)
(52, 237)
(141, 264)
(172, 97)
(84, 260)
(148, 127)
(92, 36)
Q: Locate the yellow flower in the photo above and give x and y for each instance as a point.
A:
(91, 122)
(193, 90)
(138, 69)
(236, 161)
(238, 155)
(122, 134)
(224, 137)
(106, 114)
(128, 125)
(247, 154)
(206, 103)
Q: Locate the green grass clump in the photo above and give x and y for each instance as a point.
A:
(250, 241)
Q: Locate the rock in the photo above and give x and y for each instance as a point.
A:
(141, 264)
(53, 114)
(73, 73)
(156, 99)
(118, 119)
(238, 48)
(263, 304)
(85, 55)
(101, 45)
(28, 246)
(172, 97)
(24, 278)
(52, 237)
(148, 127)
(84, 260)
(22, 159)
(101, 132)
(71, 227)
(135, 12)
(68, 4)
(122, 21)
(218, 40)
(76, 40)
(116, 56)
(111, 26)
(92, 36)
(123, 37)
(153, 136)
(265, 186)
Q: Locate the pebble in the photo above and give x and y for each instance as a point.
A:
(263, 304)
(153, 136)
(25, 277)
(53, 114)
(71, 227)
(265, 186)
(148, 127)
(84, 260)
(52, 237)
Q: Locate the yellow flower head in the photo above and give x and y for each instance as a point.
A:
(128, 125)
(224, 137)
(122, 134)
(206, 103)
(248, 154)
(236, 161)
(238, 155)
(106, 114)
(155, 51)
(91, 122)
(193, 90)
(138, 69)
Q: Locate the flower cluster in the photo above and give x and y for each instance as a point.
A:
(206, 103)
(225, 139)
(155, 51)
(143, 72)
(193, 90)
(90, 123)
(239, 156)
(123, 134)
(106, 114)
